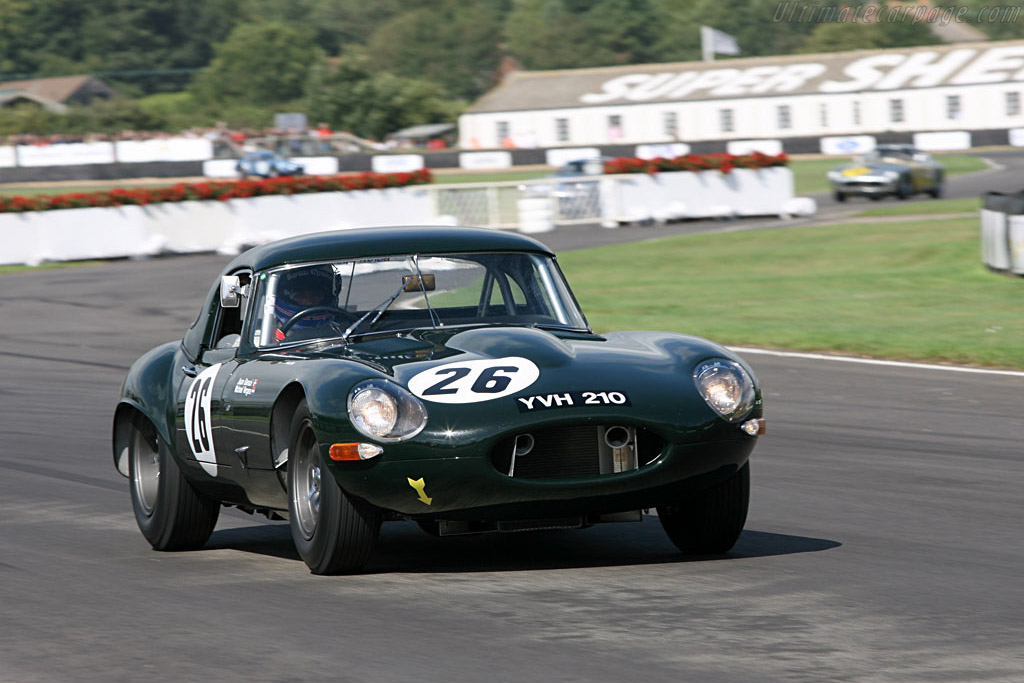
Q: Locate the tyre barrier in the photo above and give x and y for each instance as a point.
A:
(1002, 232)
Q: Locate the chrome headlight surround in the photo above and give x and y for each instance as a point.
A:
(385, 412)
(726, 387)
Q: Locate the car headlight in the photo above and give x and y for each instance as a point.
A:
(892, 175)
(384, 411)
(834, 175)
(726, 387)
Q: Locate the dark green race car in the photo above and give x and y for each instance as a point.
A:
(443, 375)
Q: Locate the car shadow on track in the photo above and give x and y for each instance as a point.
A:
(403, 547)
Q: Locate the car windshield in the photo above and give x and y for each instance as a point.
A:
(888, 153)
(356, 297)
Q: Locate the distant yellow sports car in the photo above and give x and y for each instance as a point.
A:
(896, 170)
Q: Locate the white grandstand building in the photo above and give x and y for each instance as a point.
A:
(944, 90)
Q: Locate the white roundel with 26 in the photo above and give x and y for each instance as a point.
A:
(473, 381)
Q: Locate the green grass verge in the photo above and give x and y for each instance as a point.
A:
(914, 290)
(489, 177)
(49, 265)
(922, 207)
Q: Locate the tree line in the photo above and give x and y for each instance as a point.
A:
(370, 67)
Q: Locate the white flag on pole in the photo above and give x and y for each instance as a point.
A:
(713, 41)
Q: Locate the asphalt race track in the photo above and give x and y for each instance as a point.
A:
(883, 540)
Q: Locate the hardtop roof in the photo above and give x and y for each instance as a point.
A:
(366, 242)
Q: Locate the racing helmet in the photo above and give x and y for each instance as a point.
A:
(303, 288)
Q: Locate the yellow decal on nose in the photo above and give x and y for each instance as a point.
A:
(420, 487)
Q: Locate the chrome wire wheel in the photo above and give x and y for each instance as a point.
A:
(307, 476)
(145, 455)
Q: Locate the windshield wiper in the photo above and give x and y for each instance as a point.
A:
(379, 309)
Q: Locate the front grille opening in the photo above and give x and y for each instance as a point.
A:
(575, 451)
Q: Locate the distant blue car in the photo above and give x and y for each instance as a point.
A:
(267, 164)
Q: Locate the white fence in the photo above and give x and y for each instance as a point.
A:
(531, 206)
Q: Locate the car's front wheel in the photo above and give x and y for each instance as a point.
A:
(840, 196)
(711, 521)
(171, 514)
(333, 532)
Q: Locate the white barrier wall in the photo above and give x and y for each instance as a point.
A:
(68, 154)
(229, 226)
(8, 157)
(847, 144)
(163, 149)
(674, 195)
(200, 226)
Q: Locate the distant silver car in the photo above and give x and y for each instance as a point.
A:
(888, 170)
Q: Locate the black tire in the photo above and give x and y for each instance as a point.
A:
(840, 196)
(905, 188)
(170, 513)
(710, 522)
(937, 189)
(333, 532)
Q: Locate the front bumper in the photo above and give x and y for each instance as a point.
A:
(454, 487)
(865, 185)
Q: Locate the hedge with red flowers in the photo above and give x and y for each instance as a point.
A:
(219, 190)
(695, 162)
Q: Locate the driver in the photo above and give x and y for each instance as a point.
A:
(300, 289)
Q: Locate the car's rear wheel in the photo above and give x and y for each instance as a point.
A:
(711, 521)
(170, 513)
(333, 532)
(937, 188)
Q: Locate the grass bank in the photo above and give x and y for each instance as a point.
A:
(920, 206)
(912, 290)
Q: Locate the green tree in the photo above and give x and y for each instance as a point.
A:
(260, 63)
(999, 20)
(455, 43)
(12, 13)
(840, 36)
(352, 95)
(558, 34)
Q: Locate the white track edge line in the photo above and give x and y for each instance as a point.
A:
(874, 361)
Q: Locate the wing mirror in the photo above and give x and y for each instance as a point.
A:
(231, 291)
